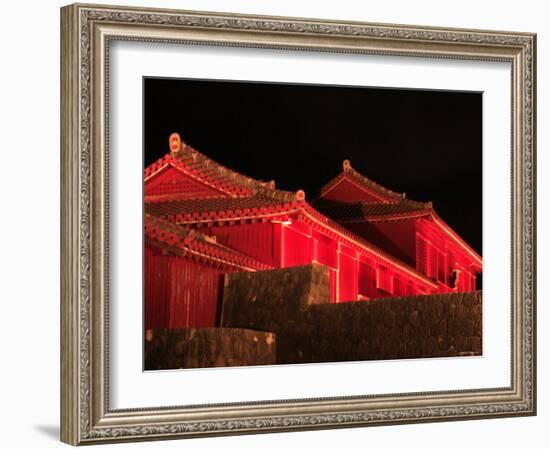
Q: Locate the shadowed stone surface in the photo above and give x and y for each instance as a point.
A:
(207, 347)
(386, 328)
(273, 300)
(294, 304)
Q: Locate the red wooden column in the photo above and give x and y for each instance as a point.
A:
(347, 275)
(326, 253)
(297, 247)
(368, 278)
(278, 243)
(338, 272)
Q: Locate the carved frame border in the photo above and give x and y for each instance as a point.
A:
(86, 31)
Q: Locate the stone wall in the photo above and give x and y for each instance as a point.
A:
(273, 300)
(294, 304)
(208, 347)
(441, 325)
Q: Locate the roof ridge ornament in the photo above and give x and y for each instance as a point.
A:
(346, 165)
(175, 143)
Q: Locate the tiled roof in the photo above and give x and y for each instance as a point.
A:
(178, 239)
(342, 212)
(213, 209)
(355, 176)
(201, 167)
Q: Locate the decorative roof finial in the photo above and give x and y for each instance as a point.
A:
(346, 165)
(175, 142)
(300, 195)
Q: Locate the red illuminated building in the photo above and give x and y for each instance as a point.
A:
(203, 220)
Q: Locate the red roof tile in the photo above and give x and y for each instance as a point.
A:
(178, 239)
(201, 167)
(345, 212)
(367, 183)
(214, 209)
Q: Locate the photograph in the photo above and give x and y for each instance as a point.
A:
(304, 223)
(289, 222)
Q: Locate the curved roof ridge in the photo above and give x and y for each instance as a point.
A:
(354, 176)
(443, 224)
(372, 184)
(419, 204)
(198, 165)
(180, 238)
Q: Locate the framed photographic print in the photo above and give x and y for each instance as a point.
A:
(274, 223)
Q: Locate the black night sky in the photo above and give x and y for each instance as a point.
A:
(425, 143)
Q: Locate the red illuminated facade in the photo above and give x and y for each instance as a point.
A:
(203, 220)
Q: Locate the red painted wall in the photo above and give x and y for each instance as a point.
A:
(347, 192)
(255, 240)
(325, 250)
(194, 294)
(297, 247)
(179, 292)
(156, 288)
(438, 256)
(367, 280)
(347, 278)
(172, 181)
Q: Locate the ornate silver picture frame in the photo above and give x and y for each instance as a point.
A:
(87, 33)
